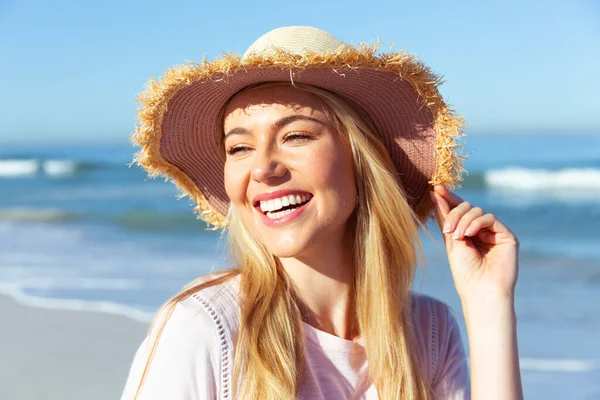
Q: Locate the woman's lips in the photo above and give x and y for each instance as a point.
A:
(277, 222)
(277, 194)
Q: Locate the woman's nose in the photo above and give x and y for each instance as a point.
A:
(266, 166)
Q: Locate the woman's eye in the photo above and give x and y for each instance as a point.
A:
(236, 149)
(292, 137)
(297, 137)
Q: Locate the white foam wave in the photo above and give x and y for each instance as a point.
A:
(15, 168)
(75, 305)
(59, 167)
(79, 283)
(558, 365)
(523, 179)
(18, 168)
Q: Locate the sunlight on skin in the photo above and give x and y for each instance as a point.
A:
(314, 248)
(268, 159)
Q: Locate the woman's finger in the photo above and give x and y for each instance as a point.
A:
(490, 230)
(455, 215)
(441, 208)
(441, 205)
(485, 221)
(465, 222)
(452, 199)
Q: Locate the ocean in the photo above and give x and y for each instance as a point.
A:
(80, 229)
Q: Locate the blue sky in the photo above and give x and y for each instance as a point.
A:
(70, 70)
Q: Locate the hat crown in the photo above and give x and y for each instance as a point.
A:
(295, 40)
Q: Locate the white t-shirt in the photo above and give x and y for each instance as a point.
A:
(194, 357)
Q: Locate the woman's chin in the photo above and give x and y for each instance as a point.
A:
(284, 247)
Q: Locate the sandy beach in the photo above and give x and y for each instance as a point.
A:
(61, 354)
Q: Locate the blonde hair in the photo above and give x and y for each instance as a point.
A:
(269, 356)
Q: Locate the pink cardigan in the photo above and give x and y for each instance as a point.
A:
(194, 357)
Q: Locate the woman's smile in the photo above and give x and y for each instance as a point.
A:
(281, 206)
(284, 214)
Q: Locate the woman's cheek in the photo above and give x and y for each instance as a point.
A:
(232, 184)
(325, 167)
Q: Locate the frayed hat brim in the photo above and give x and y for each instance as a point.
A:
(180, 116)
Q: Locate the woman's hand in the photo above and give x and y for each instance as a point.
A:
(483, 255)
(483, 252)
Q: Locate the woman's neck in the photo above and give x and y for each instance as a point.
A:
(324, 284)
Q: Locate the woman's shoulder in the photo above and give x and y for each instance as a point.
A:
(433, 316)
(429, 309)
(213, 308)
(207, 318)
(191, 358)
(438, 333)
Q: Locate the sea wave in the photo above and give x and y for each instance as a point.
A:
(132, 220)
(32, 214)
(107, 307)
(579, 179)
(70, 283)
(18, 168)
(23, 167)
(560, 365)
(536, 179)
(150, 220)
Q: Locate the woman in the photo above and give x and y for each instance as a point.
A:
(319, 160)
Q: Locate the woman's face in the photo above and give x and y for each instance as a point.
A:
(287, 172)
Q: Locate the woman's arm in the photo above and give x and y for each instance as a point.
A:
(483, 256)
(492, 331)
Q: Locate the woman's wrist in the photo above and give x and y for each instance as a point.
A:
(492, 332)
(487, 307)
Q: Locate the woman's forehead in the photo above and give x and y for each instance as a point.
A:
(287, 96)
(272, 102)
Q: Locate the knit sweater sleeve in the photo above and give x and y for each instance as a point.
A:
(451, 379)
(186, 362)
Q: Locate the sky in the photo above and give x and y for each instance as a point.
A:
(70, 70)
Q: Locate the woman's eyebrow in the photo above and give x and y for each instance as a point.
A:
(277, 125)
(237, 131)
(291, 118)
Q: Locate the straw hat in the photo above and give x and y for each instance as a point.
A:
(181, 113)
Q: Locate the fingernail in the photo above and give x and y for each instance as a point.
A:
(447, 227)
(456, 234)
(469, 231)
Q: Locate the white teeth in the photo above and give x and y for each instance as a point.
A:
(279, 214)
(276, 204)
